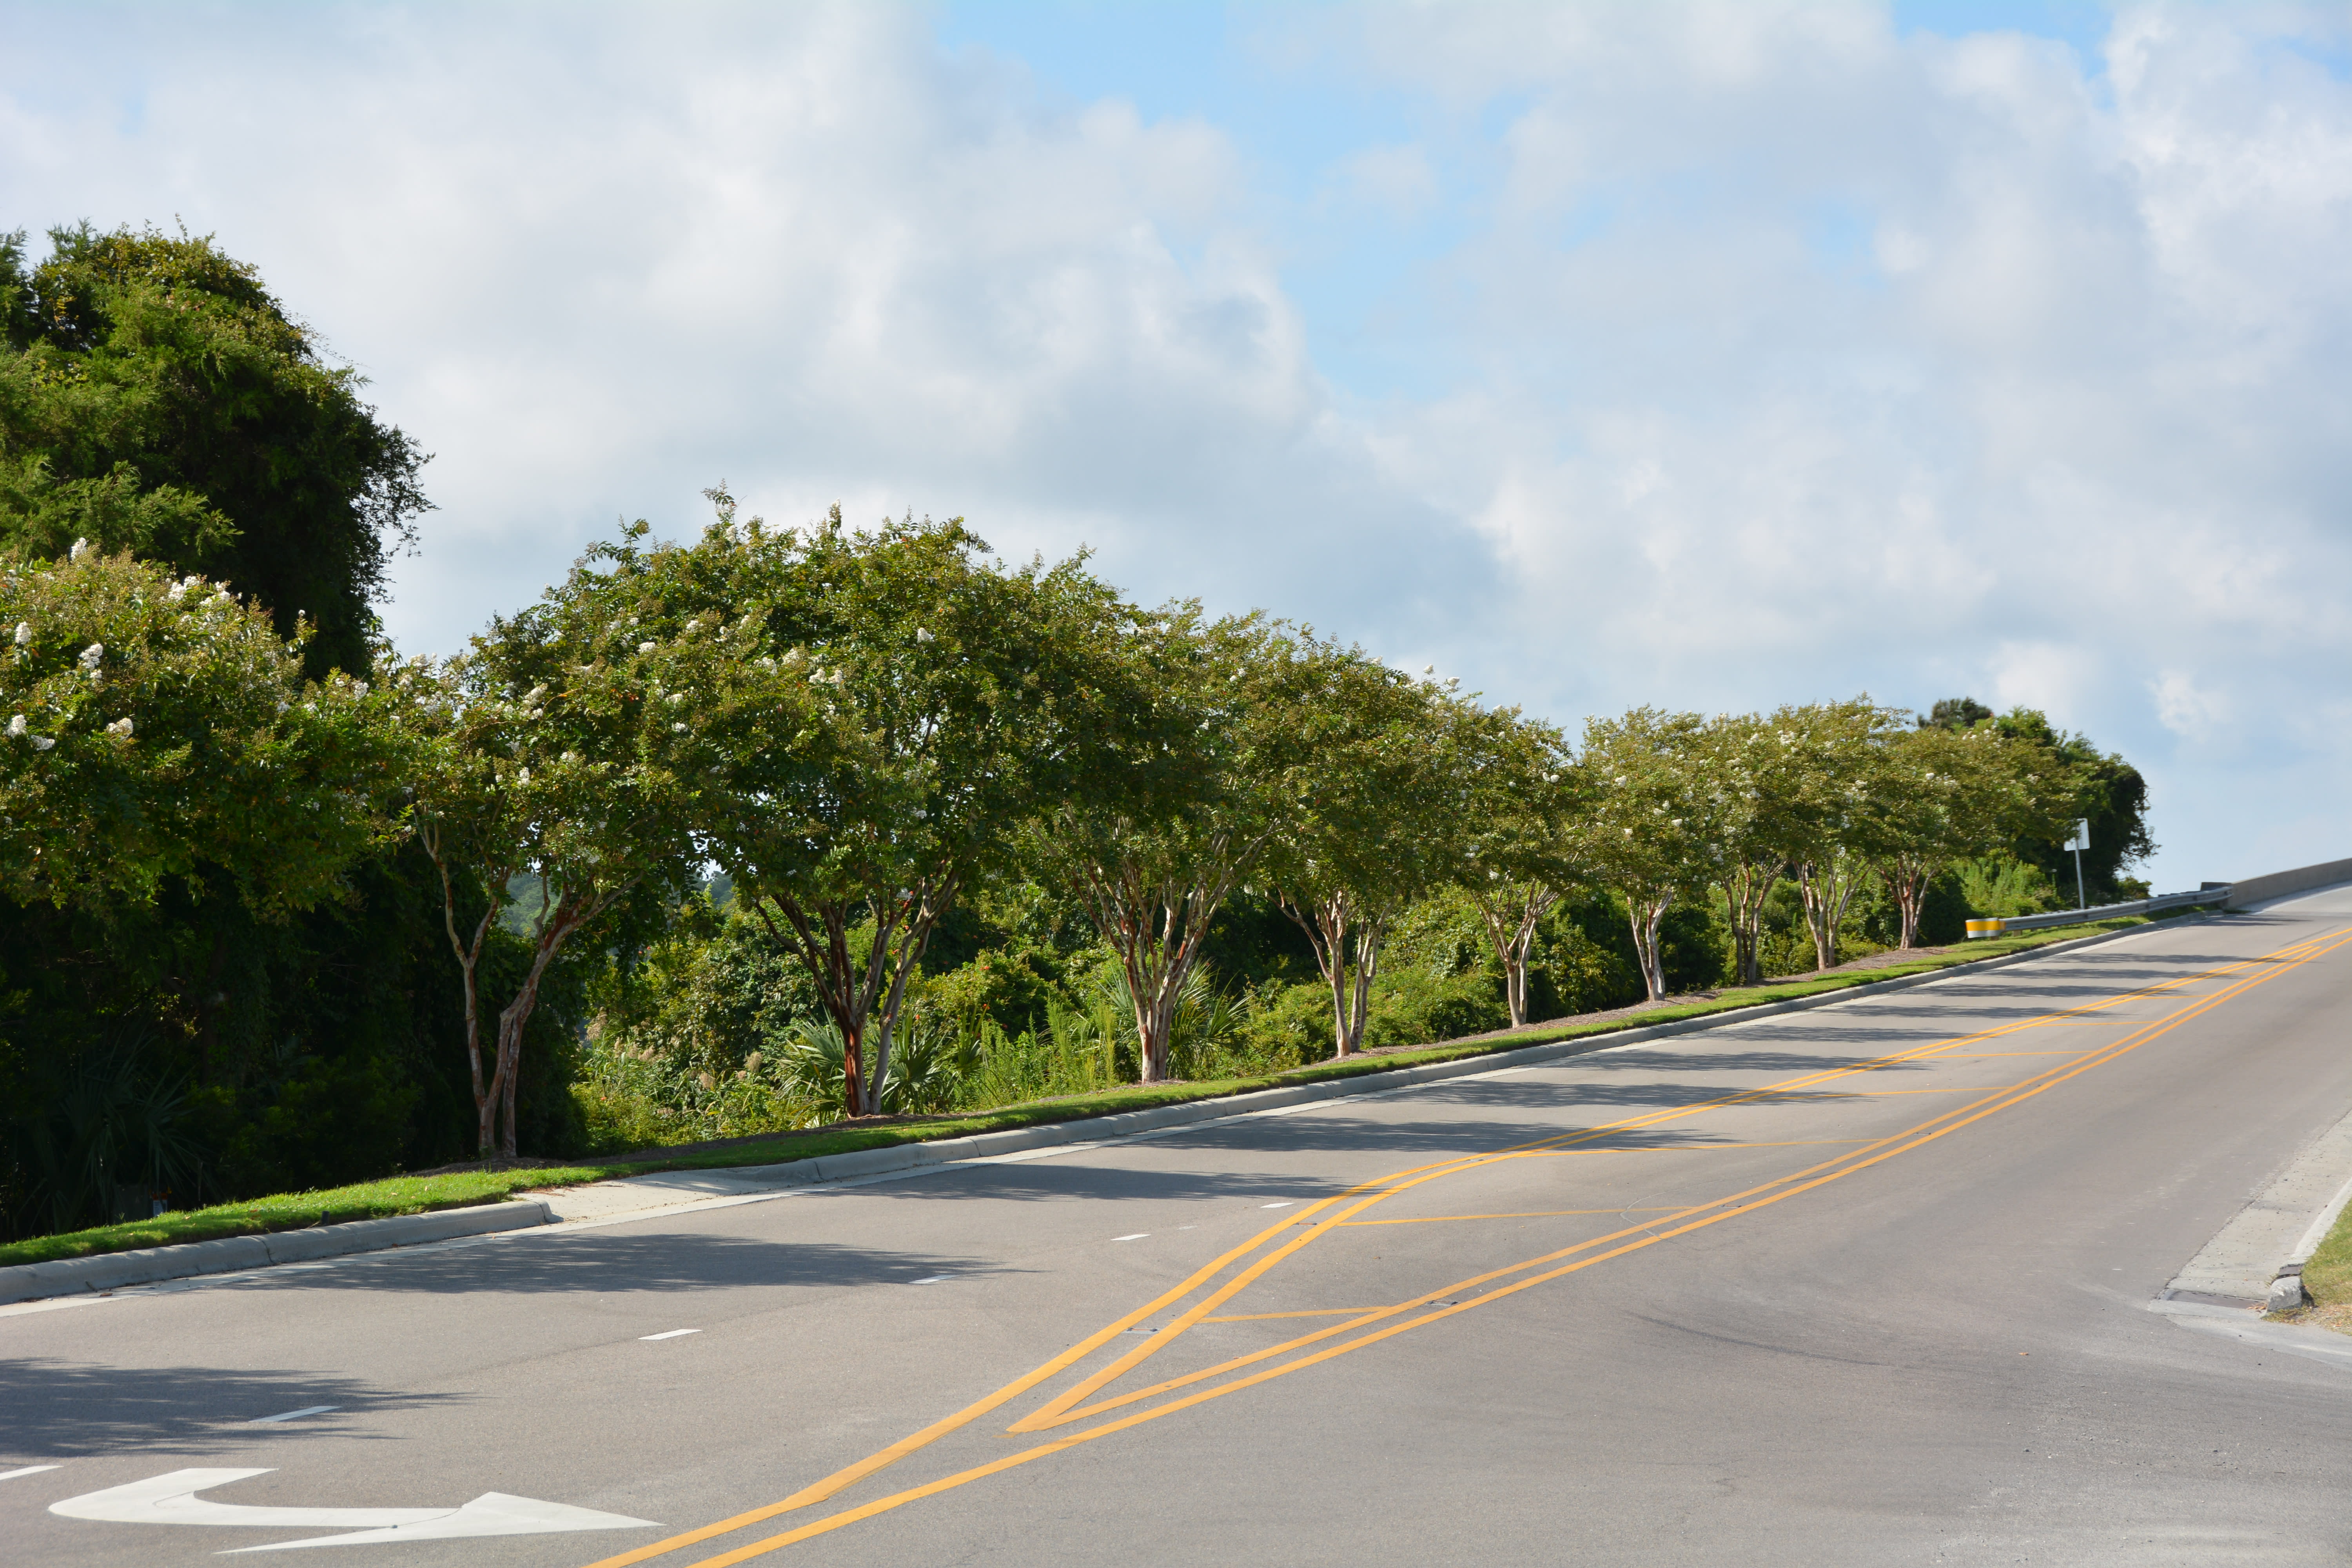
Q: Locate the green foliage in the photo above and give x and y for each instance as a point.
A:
(409, 1194)
(155, 398)
(2003, 885)
(158, 732)
(1380, 795)
(2085, 782)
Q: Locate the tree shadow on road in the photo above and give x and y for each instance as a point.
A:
(67, 1409)
(614, 1261)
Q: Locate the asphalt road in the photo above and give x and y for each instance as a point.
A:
(1865, 1284)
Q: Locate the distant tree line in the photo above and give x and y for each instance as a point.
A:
(282, 906)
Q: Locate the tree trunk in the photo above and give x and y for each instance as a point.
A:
(1156, 926)
(487, 1095)
(1347, 944)
(567, 918)
(1513, 933)
(1908, 884)
(1828, 886)
(1648, 915)
(1745, 890)
(1369, 934)
(853, 996)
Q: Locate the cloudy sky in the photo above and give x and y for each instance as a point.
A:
(1709, 356)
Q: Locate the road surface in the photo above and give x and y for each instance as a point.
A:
(1865, 1284)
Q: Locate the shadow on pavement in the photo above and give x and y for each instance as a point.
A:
(612, 1261)
(63, 1409)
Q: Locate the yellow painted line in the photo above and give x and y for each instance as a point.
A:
(1973, 1055)
(1399, 1181)
(1449, 1218)
(1711, 1148)
(1736, 1203)
(1881, 1093)
(930, 1434)
(1009, 1461)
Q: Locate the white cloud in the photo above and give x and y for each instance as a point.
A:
(1782, 356)
(1398, 181)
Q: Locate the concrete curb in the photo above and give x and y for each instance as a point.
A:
(147, 1265)
(2257, 1258)
(744, 1180)
(114, 1271)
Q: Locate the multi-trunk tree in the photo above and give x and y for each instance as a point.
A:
(569, 762)
(1839, 803)
(1747, 799)
(1949, 793)
(1383, 766)
(1640, 838)
(1194, 777)
(941, 702)
(1522, 848)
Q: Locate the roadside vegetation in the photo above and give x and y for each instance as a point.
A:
(792, 833)
(421, 1193)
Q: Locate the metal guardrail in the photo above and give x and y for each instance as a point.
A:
(2217, 893)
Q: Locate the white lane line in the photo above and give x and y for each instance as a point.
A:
(1283, 1205)
(936, 1279)
(1138, 1236)
(293, 1415)
(27, 1471)
(674, 1333)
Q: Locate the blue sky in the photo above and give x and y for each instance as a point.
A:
(1711, 355)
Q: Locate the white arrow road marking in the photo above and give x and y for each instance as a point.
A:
(674, 1333)
(172, 1500)
(27, 1471)
(293, 1415)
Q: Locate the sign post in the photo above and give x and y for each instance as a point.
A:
(2082, 842)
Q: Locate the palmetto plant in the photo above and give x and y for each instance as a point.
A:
(112, 1125)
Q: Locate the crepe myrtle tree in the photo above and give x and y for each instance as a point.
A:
(1838, 822)
(1748, 801)
(154, 729)
(1383, 798)
(1193, 774)
(1639, 838)
(1947, 795)
(1522, 850)
(572, 758)
(939, 701)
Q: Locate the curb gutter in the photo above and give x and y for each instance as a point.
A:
(147, 1265)
(113, 1271)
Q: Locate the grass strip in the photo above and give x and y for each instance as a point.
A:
(420, 1195)
(2327, 1277)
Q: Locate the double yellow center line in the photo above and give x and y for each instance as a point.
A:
(1374, 1325)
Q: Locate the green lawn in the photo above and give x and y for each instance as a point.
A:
(418, 1194)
